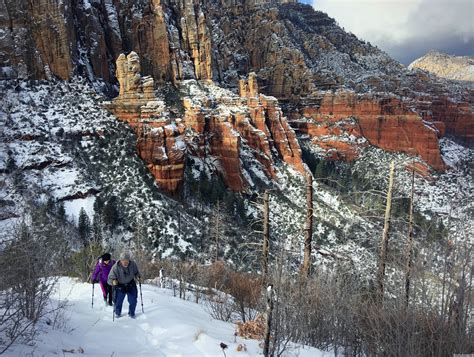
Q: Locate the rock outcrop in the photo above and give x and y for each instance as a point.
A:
(459, 68)
(160, 142)
(133, 87)
(219, 124)
(215, 133)
(268, 117)
(257, 119)
(452, 117)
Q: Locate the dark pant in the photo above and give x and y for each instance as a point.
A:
(106, 292)
(132, 294)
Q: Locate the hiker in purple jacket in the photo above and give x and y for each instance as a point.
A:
(101, 273)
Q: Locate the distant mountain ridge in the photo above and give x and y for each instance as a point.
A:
(459, 68)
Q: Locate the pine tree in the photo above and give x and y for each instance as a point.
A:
(50, 205)
(60, 210)
(320, 170)
(110, 213)
(10, 164)
(97, 228)
(98, 205)
(84, 227)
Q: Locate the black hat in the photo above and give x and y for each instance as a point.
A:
(106, 256)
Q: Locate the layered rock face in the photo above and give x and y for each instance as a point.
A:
(454, 118)
(384, 122)
(219, 123)
(226, 121)
(42, 52)
(160, 143)
(65, 37)
(268, 117)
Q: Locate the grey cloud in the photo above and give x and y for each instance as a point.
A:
(415, 47)
(412, 28)
(446, 26)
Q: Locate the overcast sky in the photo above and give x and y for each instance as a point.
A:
(407, 29)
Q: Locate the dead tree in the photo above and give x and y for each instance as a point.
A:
(384, 242)
(409, 248)
(308, 225)
(266, 233)
(268, 325)
(217, 228)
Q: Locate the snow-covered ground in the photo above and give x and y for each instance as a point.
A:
(169, 327)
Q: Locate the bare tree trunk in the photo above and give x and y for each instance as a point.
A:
(308, 225)
(216, 230)
(268, 326)
(384, 242)
(217, 223)
(409, 249)
(444, 302)
(266, 234)
(179, 223)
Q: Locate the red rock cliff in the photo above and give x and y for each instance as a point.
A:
(219, 122)
(385, 122)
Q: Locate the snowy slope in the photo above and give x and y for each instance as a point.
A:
(169, 327)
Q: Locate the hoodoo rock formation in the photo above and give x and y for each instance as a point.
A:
(160, 143)
(133, 87)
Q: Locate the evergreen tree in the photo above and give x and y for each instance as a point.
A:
(320, 170)
(229, 200)
(84, 226)
(97, 228)
(98, 204)
(110, 213)
(60, 210)
(50, 205)
(10, 164)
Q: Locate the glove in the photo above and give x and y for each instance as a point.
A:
(114, 282)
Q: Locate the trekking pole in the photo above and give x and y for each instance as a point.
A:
(141, 296)
(93, 295)
(113, 303)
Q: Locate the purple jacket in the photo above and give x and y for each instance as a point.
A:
(102, 271)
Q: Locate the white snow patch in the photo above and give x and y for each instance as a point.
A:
(73, 207)
(168, 327)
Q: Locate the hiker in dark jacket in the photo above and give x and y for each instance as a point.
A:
(101, 273)
(122, 278)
